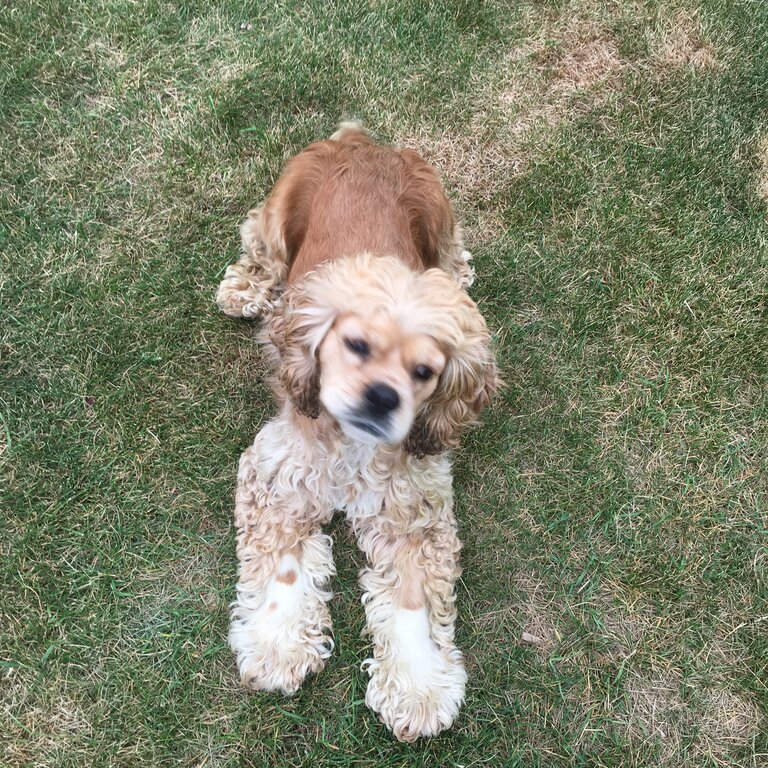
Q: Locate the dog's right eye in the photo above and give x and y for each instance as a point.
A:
(359, 347)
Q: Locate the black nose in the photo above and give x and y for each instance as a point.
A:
(381, 399)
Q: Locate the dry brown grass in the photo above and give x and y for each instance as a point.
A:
(517, 104)
(567, 64)
(33, 725)
(678, 41)
(539, 625)
(665, 712)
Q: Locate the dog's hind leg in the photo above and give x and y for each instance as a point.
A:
(250, 285)
(455, 258)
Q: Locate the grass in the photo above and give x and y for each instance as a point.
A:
(609, 163)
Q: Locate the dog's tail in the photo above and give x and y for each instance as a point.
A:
(346, 127)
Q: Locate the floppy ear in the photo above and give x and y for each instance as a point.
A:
(465, 387)
(298, 326)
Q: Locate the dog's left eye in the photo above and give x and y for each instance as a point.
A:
(359, 347)
(423, 372)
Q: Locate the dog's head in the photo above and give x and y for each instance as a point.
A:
(394, 356)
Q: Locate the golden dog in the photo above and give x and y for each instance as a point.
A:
(357, 266)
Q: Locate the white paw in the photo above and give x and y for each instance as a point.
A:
(279, 633)
(416, 688)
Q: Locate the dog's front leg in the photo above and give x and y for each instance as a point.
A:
(280, 619)
(417, 673)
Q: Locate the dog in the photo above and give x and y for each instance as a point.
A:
(381, 359)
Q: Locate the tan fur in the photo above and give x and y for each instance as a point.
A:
(341, 197)
(335, 199)
(357, 243)
(431, 313)
(289, 577)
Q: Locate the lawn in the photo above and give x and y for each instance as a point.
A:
(609, 161)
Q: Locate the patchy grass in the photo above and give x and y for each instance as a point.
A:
(608, 160)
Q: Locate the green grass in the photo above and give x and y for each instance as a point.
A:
(606, 160)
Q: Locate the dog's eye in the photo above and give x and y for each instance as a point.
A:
(423, 372)
(359, 347)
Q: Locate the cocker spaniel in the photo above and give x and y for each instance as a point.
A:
(358, 269)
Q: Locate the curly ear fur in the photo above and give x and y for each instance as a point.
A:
(466, 385)
(296, 329)
(457, 403)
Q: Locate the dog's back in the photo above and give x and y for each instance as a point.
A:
(341, 198)
(349, 195)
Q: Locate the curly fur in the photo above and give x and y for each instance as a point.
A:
(303, 464)
(429, 300)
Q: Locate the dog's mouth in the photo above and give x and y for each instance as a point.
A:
(367, 426)
(364, 427)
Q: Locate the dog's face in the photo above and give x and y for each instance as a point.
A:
(375, 375)
(394, 356)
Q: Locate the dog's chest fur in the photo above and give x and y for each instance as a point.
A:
(374, 484)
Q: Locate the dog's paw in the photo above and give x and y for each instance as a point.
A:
(280, 664)
(281, 634)
(416, 688)
(416, 702)
(463, 270)
(243, 294)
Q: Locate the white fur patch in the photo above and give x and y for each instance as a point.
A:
(285, 590)
(413, 645)
(279, 632)
(416, 689)
(465, 273)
